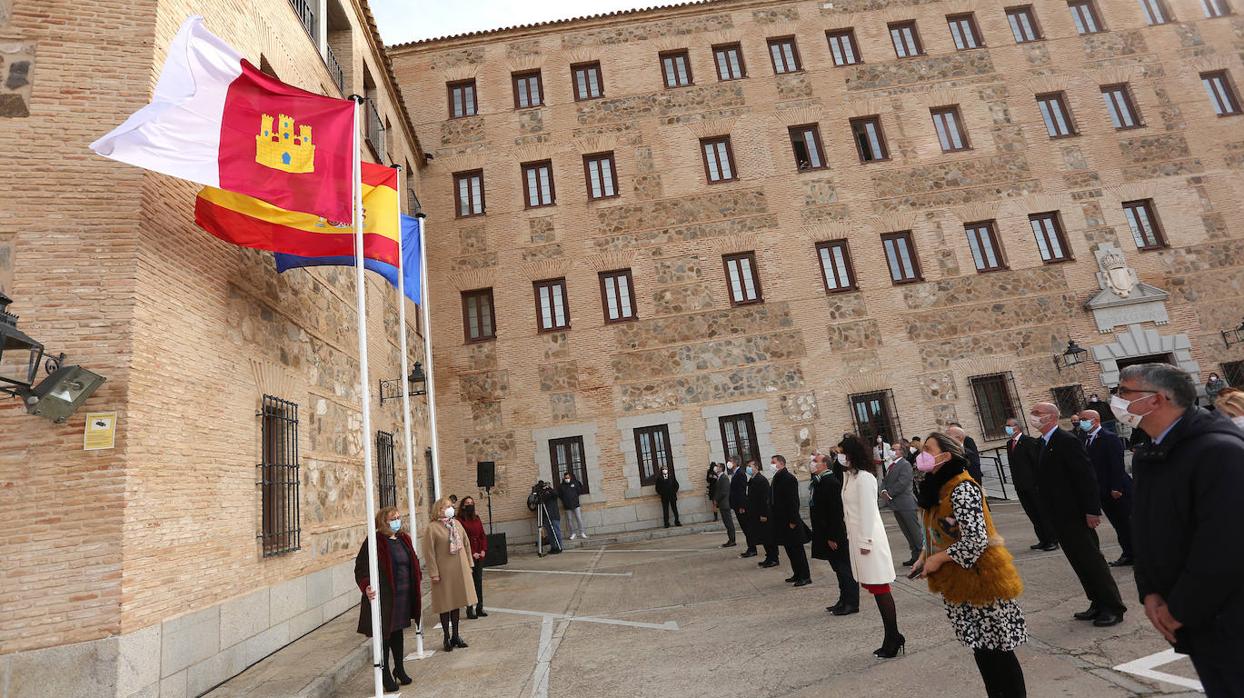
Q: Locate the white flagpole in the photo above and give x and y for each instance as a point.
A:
(425, 295)
(369, 487)
(410, 446)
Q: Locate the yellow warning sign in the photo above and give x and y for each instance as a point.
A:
(101, 431)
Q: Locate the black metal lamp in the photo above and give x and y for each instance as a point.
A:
(1074, 355)
(392, 389)
(20, 355)
(1235, 336)
(62, 393)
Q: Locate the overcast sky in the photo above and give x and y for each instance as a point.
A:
(410, 20)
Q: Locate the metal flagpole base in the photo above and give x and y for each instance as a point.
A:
(420, 653)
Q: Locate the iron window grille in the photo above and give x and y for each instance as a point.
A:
(843, 47)
(652, 448)
(1233, 372)
(1023, 23)
(738, 437)
(874, 414)
(566, 456)
(280, 530)
(430, 468)
(729, 60)
(995, 400)
(1069, 399)
(1051, 242)
(305, 9)
(386, 483)
(375, 128)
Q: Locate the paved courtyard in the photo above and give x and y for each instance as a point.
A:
(682, 617)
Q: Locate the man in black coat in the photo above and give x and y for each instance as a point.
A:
(1022, 452)
(829, 533)
(1069, 490)
(788, 527)
(1114, 485)
(760, 511)
(667, 488)
(738, 502)
(956, 432)
(1188, 513)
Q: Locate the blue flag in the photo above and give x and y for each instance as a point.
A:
(412, 249)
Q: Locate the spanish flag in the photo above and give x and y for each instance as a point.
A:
(249, 222)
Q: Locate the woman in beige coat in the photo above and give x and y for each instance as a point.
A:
(447, 553)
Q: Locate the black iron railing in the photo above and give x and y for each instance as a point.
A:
(387, 481)
(305, 9)
(278, 477)
(375, 128)
(334, 69)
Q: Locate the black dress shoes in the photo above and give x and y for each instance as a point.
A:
(792, 579)
(1124, 561)
(1105, 619)
(769, 563)
(1049, 547)
(1037, 546)
(729, 544)
(802, 582)
(845, 610)
(748, 553)
(834, 608)
(912, 561)
(1091, 614)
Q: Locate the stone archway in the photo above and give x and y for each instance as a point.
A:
(1135, 342)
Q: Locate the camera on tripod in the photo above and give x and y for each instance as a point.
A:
(541, 493)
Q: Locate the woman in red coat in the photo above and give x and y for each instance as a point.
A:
(479, 548)
(400, 592)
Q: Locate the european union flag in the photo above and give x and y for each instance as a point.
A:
(412, 249)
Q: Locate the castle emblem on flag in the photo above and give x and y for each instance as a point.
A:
(278, 146)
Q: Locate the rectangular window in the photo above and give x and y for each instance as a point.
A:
(718, 159)
(742, 279)
(386, 476)
(676, 67)
(805, 142)
(836, 269)
(538, 183)
(528, 90)
(1084, 14)
(1221, 94)
(964, 31)
(729, 60)
(1143, 221)
(278, 477)
(462, 99)
(842, 45)
(1119, 103)
(652, 447)
(1056, 115)
(869, 139)
(617, 295)
(996, 401)
(875, 415)
(738, 437)
(906, 39)
(1216, 8)
(949, 127)
(566, 456)
(1069, 399)
(552, 308)
(900, 254)
(602, 178)
(986, 250)
(470, 190)
(785, 55)
(1155, 12)
(587, 82)
(1051, 243)
(478, 317)
(1023, 21)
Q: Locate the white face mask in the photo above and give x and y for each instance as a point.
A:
(1119, 407)
(449, 512)
(1239, 421)
(1035, 421)
(842, 459)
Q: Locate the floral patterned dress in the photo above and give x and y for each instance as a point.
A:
(996, 626)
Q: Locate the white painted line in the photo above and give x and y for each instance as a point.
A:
(580, 574)
(544, 656)
(1145, 667)
(650, 550)
(667, 625)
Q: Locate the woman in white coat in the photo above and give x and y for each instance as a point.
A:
(871, 561)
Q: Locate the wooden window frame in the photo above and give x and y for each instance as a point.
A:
(847, 34)
(1027, 12)
(990, 229)
(449, 88)
(861, 122)
(974, 29)
(579, 96)
(755, 278)
(467, 298)
(1059, 98)
(574, 444)
(665, 77)
(1160, 242)
(1124, 90)
(1059, 233)
(653, 432)
(829, 246)
(960, 131)
(718, 50)
(523, 76)
(891, 430)
(781, 41)
(552, 197)
(588, 160)
(915, 38)
(1227, 93)
(815, 129)
(1148, 7)
(551, 284)
(483, 206)
(1213, 9)
(908, 237)
(605, 285)
(1091, 6)
(734, 170)
(749, 423)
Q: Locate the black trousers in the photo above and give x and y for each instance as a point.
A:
(1119, 512)
(1219, 680)
(848, 588)
(798, 561)
(1083, 551)
(477, 576)
(764, 537)
(666, 505)
(1040, 518)
(1001, 673)
(749, 529)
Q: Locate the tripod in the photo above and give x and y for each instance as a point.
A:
(542, 520)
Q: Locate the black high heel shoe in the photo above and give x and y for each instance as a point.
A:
(891, 648)
(457, 642)
(402, 677)
(449, 645)
(387, 681)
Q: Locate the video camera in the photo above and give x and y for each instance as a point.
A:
(539, 492)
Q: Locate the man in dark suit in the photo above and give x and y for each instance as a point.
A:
(1069, 489)
(1022, 452)
(829, 533)
(1114, 485)
(956, 432)
(788, 527)
(738, 502)
(760, 509)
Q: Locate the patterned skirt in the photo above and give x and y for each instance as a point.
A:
(998, 626)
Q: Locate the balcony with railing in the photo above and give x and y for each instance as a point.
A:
(334, 69)
(305, 9)
(375, 129)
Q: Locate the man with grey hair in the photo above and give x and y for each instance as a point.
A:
(1188, 505)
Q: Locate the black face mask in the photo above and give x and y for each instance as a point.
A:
(469, 510)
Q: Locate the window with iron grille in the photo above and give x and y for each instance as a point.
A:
(1155, 11)
(1123, 114)
(469, 187)
(986, 249)
(280, 530)
(386, 482)
(836, 269)
(949, 126)
(741, 278)
(1143, 221)
(900, 254)
(478, 319)
(1056, 115)
(718, 159)
(785, 55)
(431, 474)
(566, 456)
(1023, 21)
(805, 142)
(996, 401)
(528, 90)
(587, 82)
(1221, 93)
(905, 38)
(964, 31)
(552, 309)
(1233, 372)
(462, 99)
(652, 448)
(617, 294)
(729, 60)
(738, 437)
(601, 176)
(1216, 8)
(843, 47)
(874, 415)
(676, 67)
(1084, 14)
(1051, 243)
(538, 184)
(1069, 399)
(869, 139)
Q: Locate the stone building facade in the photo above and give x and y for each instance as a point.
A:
(139, 570)
(958, 94)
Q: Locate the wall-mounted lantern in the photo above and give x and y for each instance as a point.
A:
(392, 389)
(1072, 356)
(56, 397)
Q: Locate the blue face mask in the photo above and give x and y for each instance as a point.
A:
(1010, 430)
(750, 471)
(396, 525)
(1085, 425)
